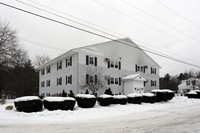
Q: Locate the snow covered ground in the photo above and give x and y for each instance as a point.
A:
(178, 115)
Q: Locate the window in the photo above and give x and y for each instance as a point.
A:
(70, 79)
(69, 61)
(116, 64)
(48, 83)
(153, 70)
(91, 61)
(112, 80)
(116, 80)
(48, 69)
(112, 64)
(42, 71)
(59, 65)
(42, 84)
(91, 79)
(140, 68)
(59, 81)
(153, 83)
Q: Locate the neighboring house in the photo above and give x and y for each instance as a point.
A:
(121, 64)
(187, 85)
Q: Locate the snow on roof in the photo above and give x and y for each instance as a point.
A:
(58, 99)
(85, 96)
(148, 94)
(105, 96)
(119, 96)
(27, 98)
(192, 92)
(134, 95)
(134, 76)
(164, 90)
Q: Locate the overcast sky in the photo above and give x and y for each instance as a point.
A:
(171, 27)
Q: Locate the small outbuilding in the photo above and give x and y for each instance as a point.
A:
(134, 84)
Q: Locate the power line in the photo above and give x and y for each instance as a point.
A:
(161, 21)
(40, 44)
(74, 17)
(139, 21)
(188, 20)
(78, 19)
(118, 41)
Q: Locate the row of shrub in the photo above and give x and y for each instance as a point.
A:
(34, 104)
(193, 94)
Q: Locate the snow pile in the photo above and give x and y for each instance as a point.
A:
(192, 92)
(148, 94)
(164, 90)
(119, 96)
(27, 98)
(105, 96)
(58, 99)
(85, 96)
(132, 95)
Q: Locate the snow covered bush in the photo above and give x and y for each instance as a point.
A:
(192, 94)
(56, 103)
(85, 100)
(198, 93)
(119, 99)
(105, 100)
(28, 104)
(134, 98)
(149, 98)
(163, 95)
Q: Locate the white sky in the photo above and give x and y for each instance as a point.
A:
(158, 28)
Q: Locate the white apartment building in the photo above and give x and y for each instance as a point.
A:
(125, 68)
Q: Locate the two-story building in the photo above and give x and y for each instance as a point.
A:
(123, 66)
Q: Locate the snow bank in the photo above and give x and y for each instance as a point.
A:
(105, 96)
(119, 96)
(58, 99)
(132, 95)
(148, 94)
(27, 98)
(164, 90)
(192, 92)
(85, 96)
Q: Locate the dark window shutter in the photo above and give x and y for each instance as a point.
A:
(151, 70)
(60, 80)
(66, 80)
(135, 68)
(155, 83)
(109, 81)
(144, 68)
(66, 62)
(87, 60)
(155, 70)
(95, 61)
(119, 80)
(108, 64)
(70, 61)
(57, 66)
(71, 79)
(95, 79)
(119, 65)
(87, 78)
(57, 81)
(151, 83)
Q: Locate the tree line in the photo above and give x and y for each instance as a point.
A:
(172, 82)
(18, 76)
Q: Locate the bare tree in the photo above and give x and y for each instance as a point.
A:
(8, 45)
(41, 59)
(93, 79)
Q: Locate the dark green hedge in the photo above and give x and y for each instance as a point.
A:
(163, 95)
(84, 102)
(192, 95)
(62, 105)
(105, 101)
(149, 99)
(135, 100)
(121, 101)
(29, 106)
